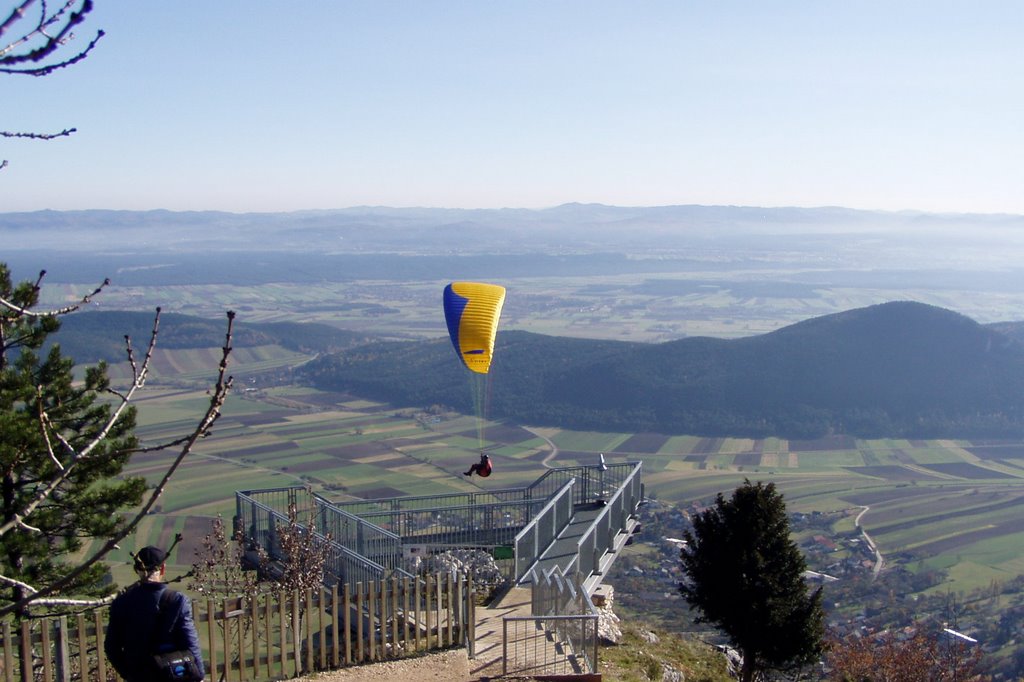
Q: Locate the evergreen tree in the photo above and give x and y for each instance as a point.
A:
(64, 440)
(744, 575)
(61, 451)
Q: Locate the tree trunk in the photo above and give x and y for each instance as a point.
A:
(14, 558)
(749, 669)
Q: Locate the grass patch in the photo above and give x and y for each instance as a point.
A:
(638, 659)
(589, 441)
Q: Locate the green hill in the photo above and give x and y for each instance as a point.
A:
(93, 336)
(1014, 330)
(895, 369)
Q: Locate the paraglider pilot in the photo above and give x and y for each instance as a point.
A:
(481, 468)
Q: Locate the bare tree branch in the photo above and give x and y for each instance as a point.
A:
(63, 20)
(39, 136)
(57, 601)
(16, 15)
(66, 457)
(17, 583)
(32, 48)
(85, 603)
(15, 308)
(213, 411)
(64, 471)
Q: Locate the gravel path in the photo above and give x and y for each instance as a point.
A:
(447, 666)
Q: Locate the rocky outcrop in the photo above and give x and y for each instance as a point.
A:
(473, 562)
(608, 630)
(670, 674)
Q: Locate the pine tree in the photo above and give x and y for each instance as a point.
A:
(744, 575)
(63, 444)
(47, 421)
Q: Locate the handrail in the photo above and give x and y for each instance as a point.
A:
(560, 605)
(360, 535)
(481, 525)
(343, 564)
(555, 516)
(346, 528)
(594, 481)
(410, 502)
(615, 506)
(611, 474)
(375, 530)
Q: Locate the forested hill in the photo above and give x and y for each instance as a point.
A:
(895, 369)
(93, 336)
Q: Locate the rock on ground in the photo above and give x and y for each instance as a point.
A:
(607, 622)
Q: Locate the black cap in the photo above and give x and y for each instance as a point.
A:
(150, 558)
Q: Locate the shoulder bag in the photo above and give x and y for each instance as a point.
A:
(174, 666)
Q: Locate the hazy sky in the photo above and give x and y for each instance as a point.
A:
(261, 106)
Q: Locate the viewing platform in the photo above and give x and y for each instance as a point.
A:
(569, 517)
(553, 541)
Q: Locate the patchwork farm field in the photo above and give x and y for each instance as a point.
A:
(948, 504)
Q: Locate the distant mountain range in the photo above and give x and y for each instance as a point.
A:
(566, 229)
(898, 369)
(801, 252)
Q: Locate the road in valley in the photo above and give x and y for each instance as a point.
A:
(879, 559)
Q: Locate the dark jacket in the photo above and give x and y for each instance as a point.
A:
(135, 630)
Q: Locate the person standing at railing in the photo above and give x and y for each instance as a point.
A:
(147, 619)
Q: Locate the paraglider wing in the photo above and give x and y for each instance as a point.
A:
(471, 310)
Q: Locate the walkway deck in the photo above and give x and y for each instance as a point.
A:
(488, 659)
(488, 651)
(564, 550)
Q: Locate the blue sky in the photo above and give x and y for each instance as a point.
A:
(260, 106)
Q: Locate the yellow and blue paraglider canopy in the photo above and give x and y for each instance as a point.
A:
(471, 310)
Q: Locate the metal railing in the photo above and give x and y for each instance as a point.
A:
(261, 525)
(361, 536)
(479, 525)
(594, 482)
(472, 519)
(426, 502)
(613, 519)
(281, 499)
(370, 534)
(560, 637)
(568, 611)
(541, 532)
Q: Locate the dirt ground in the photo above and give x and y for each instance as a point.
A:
(447, 666)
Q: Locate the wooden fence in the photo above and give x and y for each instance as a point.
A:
(275, 637)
